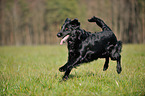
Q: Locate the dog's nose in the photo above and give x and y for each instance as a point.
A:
(59, 34)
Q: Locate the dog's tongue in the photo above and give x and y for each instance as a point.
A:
(64, 39)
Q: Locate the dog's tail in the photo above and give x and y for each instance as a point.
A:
(119, 46)
(100, 23)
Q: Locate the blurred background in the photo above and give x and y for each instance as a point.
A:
(36, 22)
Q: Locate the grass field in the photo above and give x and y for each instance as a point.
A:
(33, 70)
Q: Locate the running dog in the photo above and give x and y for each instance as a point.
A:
(84, 47)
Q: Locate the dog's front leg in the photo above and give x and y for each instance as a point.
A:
(70, 61)
(82, 58)
(64, 67)
(66, 74)
(66, 70)
(76, 62)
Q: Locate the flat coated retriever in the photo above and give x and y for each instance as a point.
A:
(84, 47)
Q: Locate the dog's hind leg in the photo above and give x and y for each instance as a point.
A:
(119, 69)
(106, 64)
(117, 56)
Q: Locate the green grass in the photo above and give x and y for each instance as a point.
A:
(33, 70)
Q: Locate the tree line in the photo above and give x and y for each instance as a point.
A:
(34, 22)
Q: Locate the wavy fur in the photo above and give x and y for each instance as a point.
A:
(85, 47)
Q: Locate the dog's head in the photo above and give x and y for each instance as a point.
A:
(68, 29)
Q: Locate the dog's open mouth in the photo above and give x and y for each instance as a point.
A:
(64, 39)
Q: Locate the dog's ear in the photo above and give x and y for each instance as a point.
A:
(75, 23)
(67, 20)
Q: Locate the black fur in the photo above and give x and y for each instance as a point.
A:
(85, 47)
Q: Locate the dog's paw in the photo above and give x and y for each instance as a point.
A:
(105, 68)
(64, 78)
(62, 69)
(119, 69)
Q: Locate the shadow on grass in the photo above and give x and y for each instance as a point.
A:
(76, 76)
(70, 77)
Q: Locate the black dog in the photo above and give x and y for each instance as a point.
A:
(85, 47)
